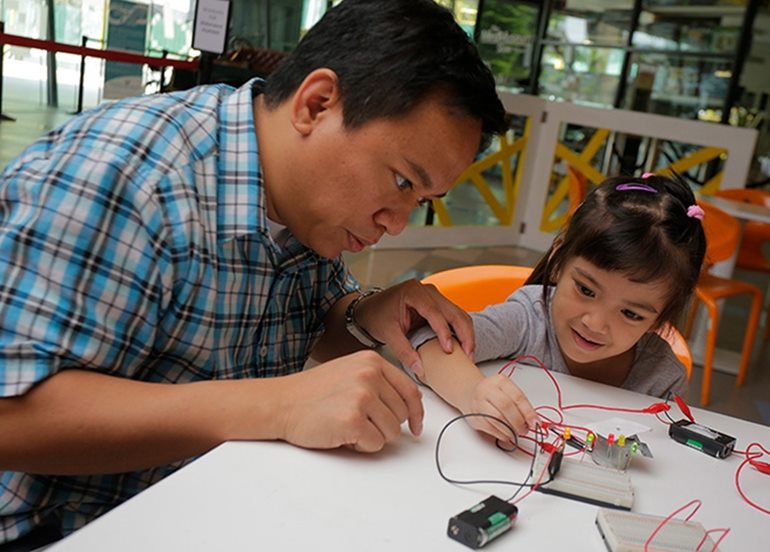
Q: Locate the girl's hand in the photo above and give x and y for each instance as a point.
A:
(498, 396)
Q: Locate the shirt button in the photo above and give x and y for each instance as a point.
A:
(263, 351)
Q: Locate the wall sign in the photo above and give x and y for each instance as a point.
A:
(210, 29)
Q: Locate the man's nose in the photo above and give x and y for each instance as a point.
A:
(393, 220)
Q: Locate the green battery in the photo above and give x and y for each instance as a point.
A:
(482, 522)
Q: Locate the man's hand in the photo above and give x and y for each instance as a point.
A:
(359, 400)
(389, 316)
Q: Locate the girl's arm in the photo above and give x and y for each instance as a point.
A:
(457, 380)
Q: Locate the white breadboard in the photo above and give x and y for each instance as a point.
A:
(627, 532)
(587, 482)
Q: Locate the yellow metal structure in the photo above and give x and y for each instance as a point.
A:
(511, 179)
(554, 213)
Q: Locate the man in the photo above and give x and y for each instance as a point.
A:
(168, 263)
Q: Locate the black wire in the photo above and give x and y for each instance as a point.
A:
(497, 443)
(531, 467)
(670, 419)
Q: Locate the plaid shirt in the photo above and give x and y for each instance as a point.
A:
(134, 242)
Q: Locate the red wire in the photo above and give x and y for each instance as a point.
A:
(668, 518)
(750, 459)
(510, 367)
(656, 409)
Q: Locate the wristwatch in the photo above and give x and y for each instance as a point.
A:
(354, 328)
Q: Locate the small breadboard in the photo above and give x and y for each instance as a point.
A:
(587, 482)
(628, 532)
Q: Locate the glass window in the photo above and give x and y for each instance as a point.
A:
(586, 75)
(506, 36)
(678, 86)
(713, 29)
(604, 22)
(465, 12)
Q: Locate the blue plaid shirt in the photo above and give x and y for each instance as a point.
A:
(134, 242)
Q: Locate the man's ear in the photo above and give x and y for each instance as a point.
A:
(313, 100)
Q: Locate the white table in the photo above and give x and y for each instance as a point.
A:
(274, 496)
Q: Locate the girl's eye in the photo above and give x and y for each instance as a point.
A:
(583, 290)
(402, 183)
(631, 315)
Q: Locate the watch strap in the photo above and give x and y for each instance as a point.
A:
(354, 328)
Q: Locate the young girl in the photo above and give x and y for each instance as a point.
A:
(624, 266)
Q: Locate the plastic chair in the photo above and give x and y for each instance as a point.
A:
(751, 255)
(472, 288)
(722, 234)
(578, 187)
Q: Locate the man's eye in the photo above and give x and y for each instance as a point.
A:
(402, 183)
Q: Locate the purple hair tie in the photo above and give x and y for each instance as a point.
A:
(695, 211)
(637, 186)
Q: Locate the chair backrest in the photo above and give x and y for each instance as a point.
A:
(723, 232)
(473, 288)
(578, 187)
(755, 197)
(678, 345)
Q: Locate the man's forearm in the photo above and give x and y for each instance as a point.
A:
(336, 341)
(80, 422)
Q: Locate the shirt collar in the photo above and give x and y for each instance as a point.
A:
(240, 190)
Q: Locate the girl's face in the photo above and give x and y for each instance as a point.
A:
(599, 314)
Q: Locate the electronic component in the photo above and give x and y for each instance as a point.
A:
(483, 522)
(617, 453)
(587, 482)
(703, 438)
(627, 532)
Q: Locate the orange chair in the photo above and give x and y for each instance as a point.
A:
(756, 235)
(578, 188)
(473, 288)
(722, 234)
(750, 255)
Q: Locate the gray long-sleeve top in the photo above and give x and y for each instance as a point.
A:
(519, 326)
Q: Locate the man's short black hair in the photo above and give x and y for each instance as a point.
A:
(388, 56)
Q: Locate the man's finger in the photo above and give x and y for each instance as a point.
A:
(406, 354)
(411, 395)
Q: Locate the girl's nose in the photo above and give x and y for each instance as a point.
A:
(595, 320)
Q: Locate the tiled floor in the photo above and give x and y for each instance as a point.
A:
(383, 267)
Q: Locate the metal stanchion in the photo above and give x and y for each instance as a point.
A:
(163, 55)
(3, 116)
(81, 77)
